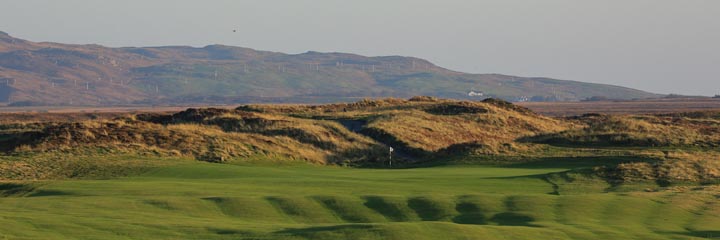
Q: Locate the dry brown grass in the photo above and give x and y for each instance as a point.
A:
(424, 125)
(432, 132)
(209, 135)
(653, 106)
(636, 130)
(678, 167)
(420, 129)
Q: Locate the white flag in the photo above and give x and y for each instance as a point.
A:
(391, 149)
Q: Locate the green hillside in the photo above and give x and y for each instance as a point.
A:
(215, 201)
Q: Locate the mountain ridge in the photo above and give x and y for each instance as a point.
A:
(47, 73)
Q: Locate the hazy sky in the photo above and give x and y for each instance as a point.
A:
(664, 46)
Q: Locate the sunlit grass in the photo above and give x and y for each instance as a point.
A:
(220, 201)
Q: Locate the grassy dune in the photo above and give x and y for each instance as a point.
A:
(216, 201)
(462, 170)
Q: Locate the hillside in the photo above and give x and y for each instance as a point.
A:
(356, 134)
(44, 73)
(216, 201)
(422, 130)
(460, 170)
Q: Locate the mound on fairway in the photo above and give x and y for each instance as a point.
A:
(216, 201)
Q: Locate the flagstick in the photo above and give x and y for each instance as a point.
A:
(390, 154)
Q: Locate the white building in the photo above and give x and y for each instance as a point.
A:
(476, 94)
(521, 99)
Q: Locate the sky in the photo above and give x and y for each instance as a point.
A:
(662, 46)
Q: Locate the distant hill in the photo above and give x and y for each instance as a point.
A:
(46, 73)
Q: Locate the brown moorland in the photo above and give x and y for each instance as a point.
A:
(423, 130)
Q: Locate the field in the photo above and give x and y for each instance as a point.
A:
(651, 106)
(648, 106)
(461, 170)
(195, 200)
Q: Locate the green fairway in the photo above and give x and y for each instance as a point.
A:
(220, 201)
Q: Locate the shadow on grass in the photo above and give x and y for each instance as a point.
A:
(310, 232)
(528, 162)
(428, 209)
(558, 179)
(15, 189)
(27, 190)
(581, 168)
(472, 214)
(512, 219)
(469, 214)
(576, 162)
(48, 193)
(701, 234)
(227, 231)
(386, 208)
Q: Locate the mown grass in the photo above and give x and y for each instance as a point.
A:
(195, 200)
